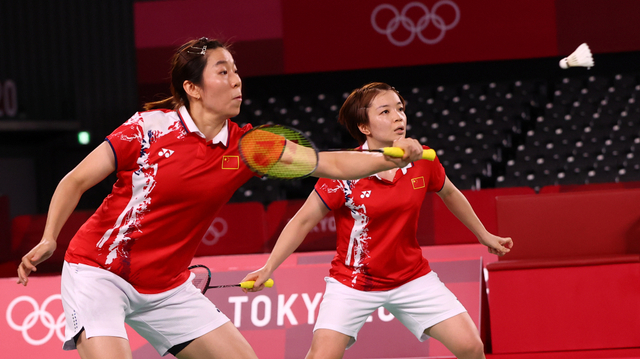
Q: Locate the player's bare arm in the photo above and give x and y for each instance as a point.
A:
(93, 169)
(458, 204)
(307, 217)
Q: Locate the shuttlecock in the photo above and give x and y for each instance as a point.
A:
(579, 58)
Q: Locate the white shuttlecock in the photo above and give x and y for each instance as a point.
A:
(579, 58)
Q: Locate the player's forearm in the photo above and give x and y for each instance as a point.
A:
(91, 170)
(63, 203)
(351, 165)
(458, 204)
(289, 240)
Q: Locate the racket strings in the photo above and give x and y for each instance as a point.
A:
(202, 277)
(261, 150)
(200, 283)
(297, 161)
(278, 152)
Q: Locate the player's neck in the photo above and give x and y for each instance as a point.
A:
(388, 174)
(209, 124)
(374, 144)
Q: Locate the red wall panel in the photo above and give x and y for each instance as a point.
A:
(321, 238)
(555, 225)
(27, 230)
(171, 22)
(607, 26)
(339, 35)
(291, 36)
(567, 308)
(239, 228)
(437, 225)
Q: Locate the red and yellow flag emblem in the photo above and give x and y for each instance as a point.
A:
(230, 162)
(417, 182)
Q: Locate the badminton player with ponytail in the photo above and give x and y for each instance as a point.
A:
(177, 164)
(379, 261)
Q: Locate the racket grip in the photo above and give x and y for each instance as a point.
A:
(249, 284)
(429, 154)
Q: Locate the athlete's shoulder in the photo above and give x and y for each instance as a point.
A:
(235, 127)
(159, 114)
(335, 185)
(159, 111)
(151, 123)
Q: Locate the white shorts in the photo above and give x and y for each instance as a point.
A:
(419, 305)
(101, 302)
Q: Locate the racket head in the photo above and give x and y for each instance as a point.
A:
(278, 151)
(202, 278)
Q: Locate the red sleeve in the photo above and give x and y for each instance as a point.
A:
(126, 142)
(331, 192)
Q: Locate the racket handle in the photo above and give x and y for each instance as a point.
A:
(429, 154)
(249, 284)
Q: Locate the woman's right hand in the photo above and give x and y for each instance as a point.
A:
(37, 255)
(412, 151)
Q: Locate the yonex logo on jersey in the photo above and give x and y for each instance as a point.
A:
(417, 182)
(365, 194)
(165, 152)
(230, 162)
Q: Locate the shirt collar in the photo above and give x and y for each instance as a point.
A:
(222, 137)
(365, 146)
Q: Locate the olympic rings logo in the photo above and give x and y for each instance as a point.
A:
(216, 230)
(39, 313)
(415, 29)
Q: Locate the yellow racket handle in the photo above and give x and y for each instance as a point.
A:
(249, 284)
(429, 154)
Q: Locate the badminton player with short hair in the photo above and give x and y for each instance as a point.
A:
(177, 164)
(379, 261)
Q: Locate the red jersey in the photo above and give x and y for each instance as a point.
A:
(171, 183)
(376, 224)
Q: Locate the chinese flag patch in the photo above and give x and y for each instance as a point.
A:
(417, 182)
(230, 162)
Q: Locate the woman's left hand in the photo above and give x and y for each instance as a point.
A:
(497, 245)
(259, 276)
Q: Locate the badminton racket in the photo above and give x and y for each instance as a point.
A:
(283, 152)
(202, 280)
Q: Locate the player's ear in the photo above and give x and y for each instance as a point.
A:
(364, 128)
(191, 89)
